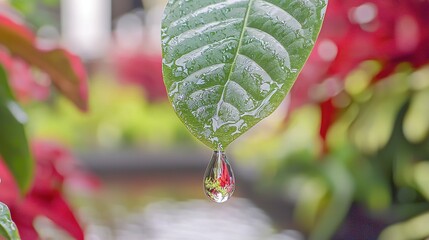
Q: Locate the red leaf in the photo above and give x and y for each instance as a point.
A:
(56, 209)
(8, 188)
(21, 79)
(54, 167)
(66, 70)
(24, 222)
(327, 117)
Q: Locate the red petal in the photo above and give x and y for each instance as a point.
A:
(57, 210)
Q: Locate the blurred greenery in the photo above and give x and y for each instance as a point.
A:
(376, 156)
(121, 117)
(36, 12)
(24, 6)
(14, 148)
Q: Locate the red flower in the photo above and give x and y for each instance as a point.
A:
(389, 31)
(225, 178)
(54, 167)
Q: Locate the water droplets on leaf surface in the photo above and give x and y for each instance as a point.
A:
(219, 180)
(229, 64)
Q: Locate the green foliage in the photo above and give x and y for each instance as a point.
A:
(227, 65)
(137, 123)
(7, 226)
(51, 2)
(37, 12)
(215, 186)
(14, 148)
(378, 158)
(24, 6)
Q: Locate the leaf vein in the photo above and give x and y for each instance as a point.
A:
(204, 70)
(203, 10)
(201, 49)
(191, 33)
(274, 39)
(269, 9)
(265, 73)
(246, 18)
(248, 92)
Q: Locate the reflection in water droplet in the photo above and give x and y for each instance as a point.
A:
(219, 180)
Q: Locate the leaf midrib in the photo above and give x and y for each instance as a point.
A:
(246, 17)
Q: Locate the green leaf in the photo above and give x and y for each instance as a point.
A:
(24, 6)
(8, 228)
(414, 228)
(229, 64)
(342, 190)
(416, 126)
(51, 3)
(14, 147)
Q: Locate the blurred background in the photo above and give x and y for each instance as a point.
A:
(344, 157)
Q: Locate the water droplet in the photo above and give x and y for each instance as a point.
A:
(219, 180)
(180, 97)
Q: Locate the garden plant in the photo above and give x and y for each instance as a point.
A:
(350, 155)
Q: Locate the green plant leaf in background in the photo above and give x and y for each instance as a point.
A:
(229, 64)
(8, 228)
(14, 147)
(24, 6)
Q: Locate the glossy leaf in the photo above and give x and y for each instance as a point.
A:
(66, 70)
(13, 142)
(229, 64)
(8, 228)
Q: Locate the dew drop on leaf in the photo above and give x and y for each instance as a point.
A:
(219, 180)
